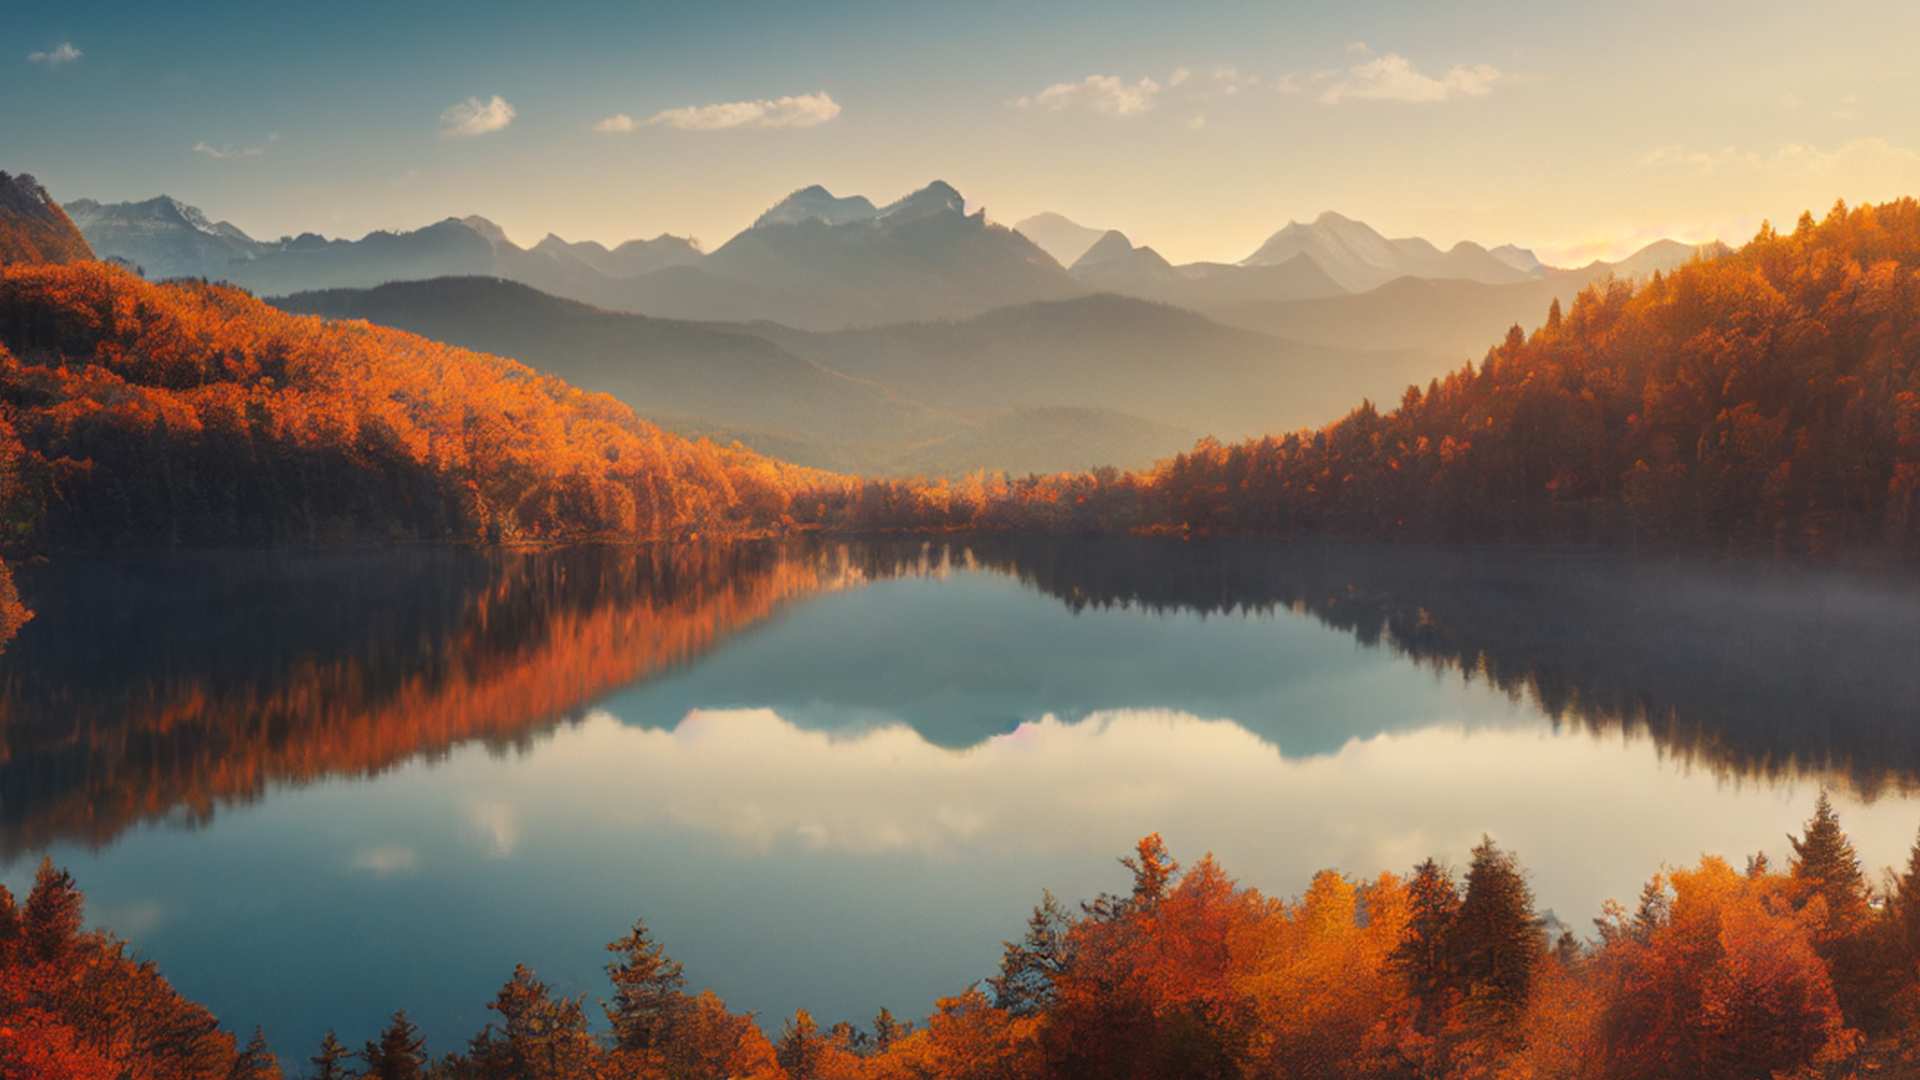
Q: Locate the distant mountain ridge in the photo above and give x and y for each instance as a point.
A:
(1359, 258)
(1065, 240)
(813, 260)
(819, 261)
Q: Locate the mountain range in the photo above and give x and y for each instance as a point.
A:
(817, 261)
(913, 337)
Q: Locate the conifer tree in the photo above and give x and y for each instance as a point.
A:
(1423, 958)
(255, 1061)
(1027, 970)
(401, 1053)
(330, 1063)
(647, 994)
(54, 913)
(1825, 865)
(1496, 935)
(887, 1030)
(800, 1047)
(539, 1037)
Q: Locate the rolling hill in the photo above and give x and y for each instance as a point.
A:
(1109, 352)
(728, 382)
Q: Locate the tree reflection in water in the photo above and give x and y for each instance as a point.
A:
(160, 686)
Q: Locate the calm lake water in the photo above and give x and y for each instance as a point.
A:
(319, 787)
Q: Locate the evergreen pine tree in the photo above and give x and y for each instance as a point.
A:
(647, 994)
(401, 1053)
(54, 913)
(539, 1037)
(887, 1030)
(330, 1063)
(1027, 970)
(256, 1061)
(800, 1046)
(1824, 864)
(1496, 936)
(1423, 958)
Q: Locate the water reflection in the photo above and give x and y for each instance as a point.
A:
(835, 777)
(160, 686)
(1752, 668)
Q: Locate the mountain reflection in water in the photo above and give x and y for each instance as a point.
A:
(159, 686)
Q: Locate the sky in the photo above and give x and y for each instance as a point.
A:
(1580, 130)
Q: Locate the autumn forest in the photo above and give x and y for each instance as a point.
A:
(1761, 404)
(1714, 972)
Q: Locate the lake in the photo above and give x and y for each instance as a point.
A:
(317, 787)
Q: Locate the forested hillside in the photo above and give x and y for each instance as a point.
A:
(1768, 399)
(140, 414)
(33, 228)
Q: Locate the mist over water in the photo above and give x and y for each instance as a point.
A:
(836, 777)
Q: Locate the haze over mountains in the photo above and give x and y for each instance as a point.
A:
(914, 337)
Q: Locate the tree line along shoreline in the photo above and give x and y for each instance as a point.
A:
(1714, 972)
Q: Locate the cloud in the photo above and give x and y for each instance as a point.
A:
(386, 861)
(59, 57)
(805, 111)
(227, 152)
(475, 117)
(1870, 155)
(497, 827)
(1095, 93)
(760, 783)
(130, 920)
(1392, 78)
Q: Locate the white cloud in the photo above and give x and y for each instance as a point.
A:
(497, 827)
(805, 111)
(386, 861)
(1096, 93)
(1392, 78)
(227, 152)
(60, 56)
(760, 783)
(476, 117)
(1865, 155)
